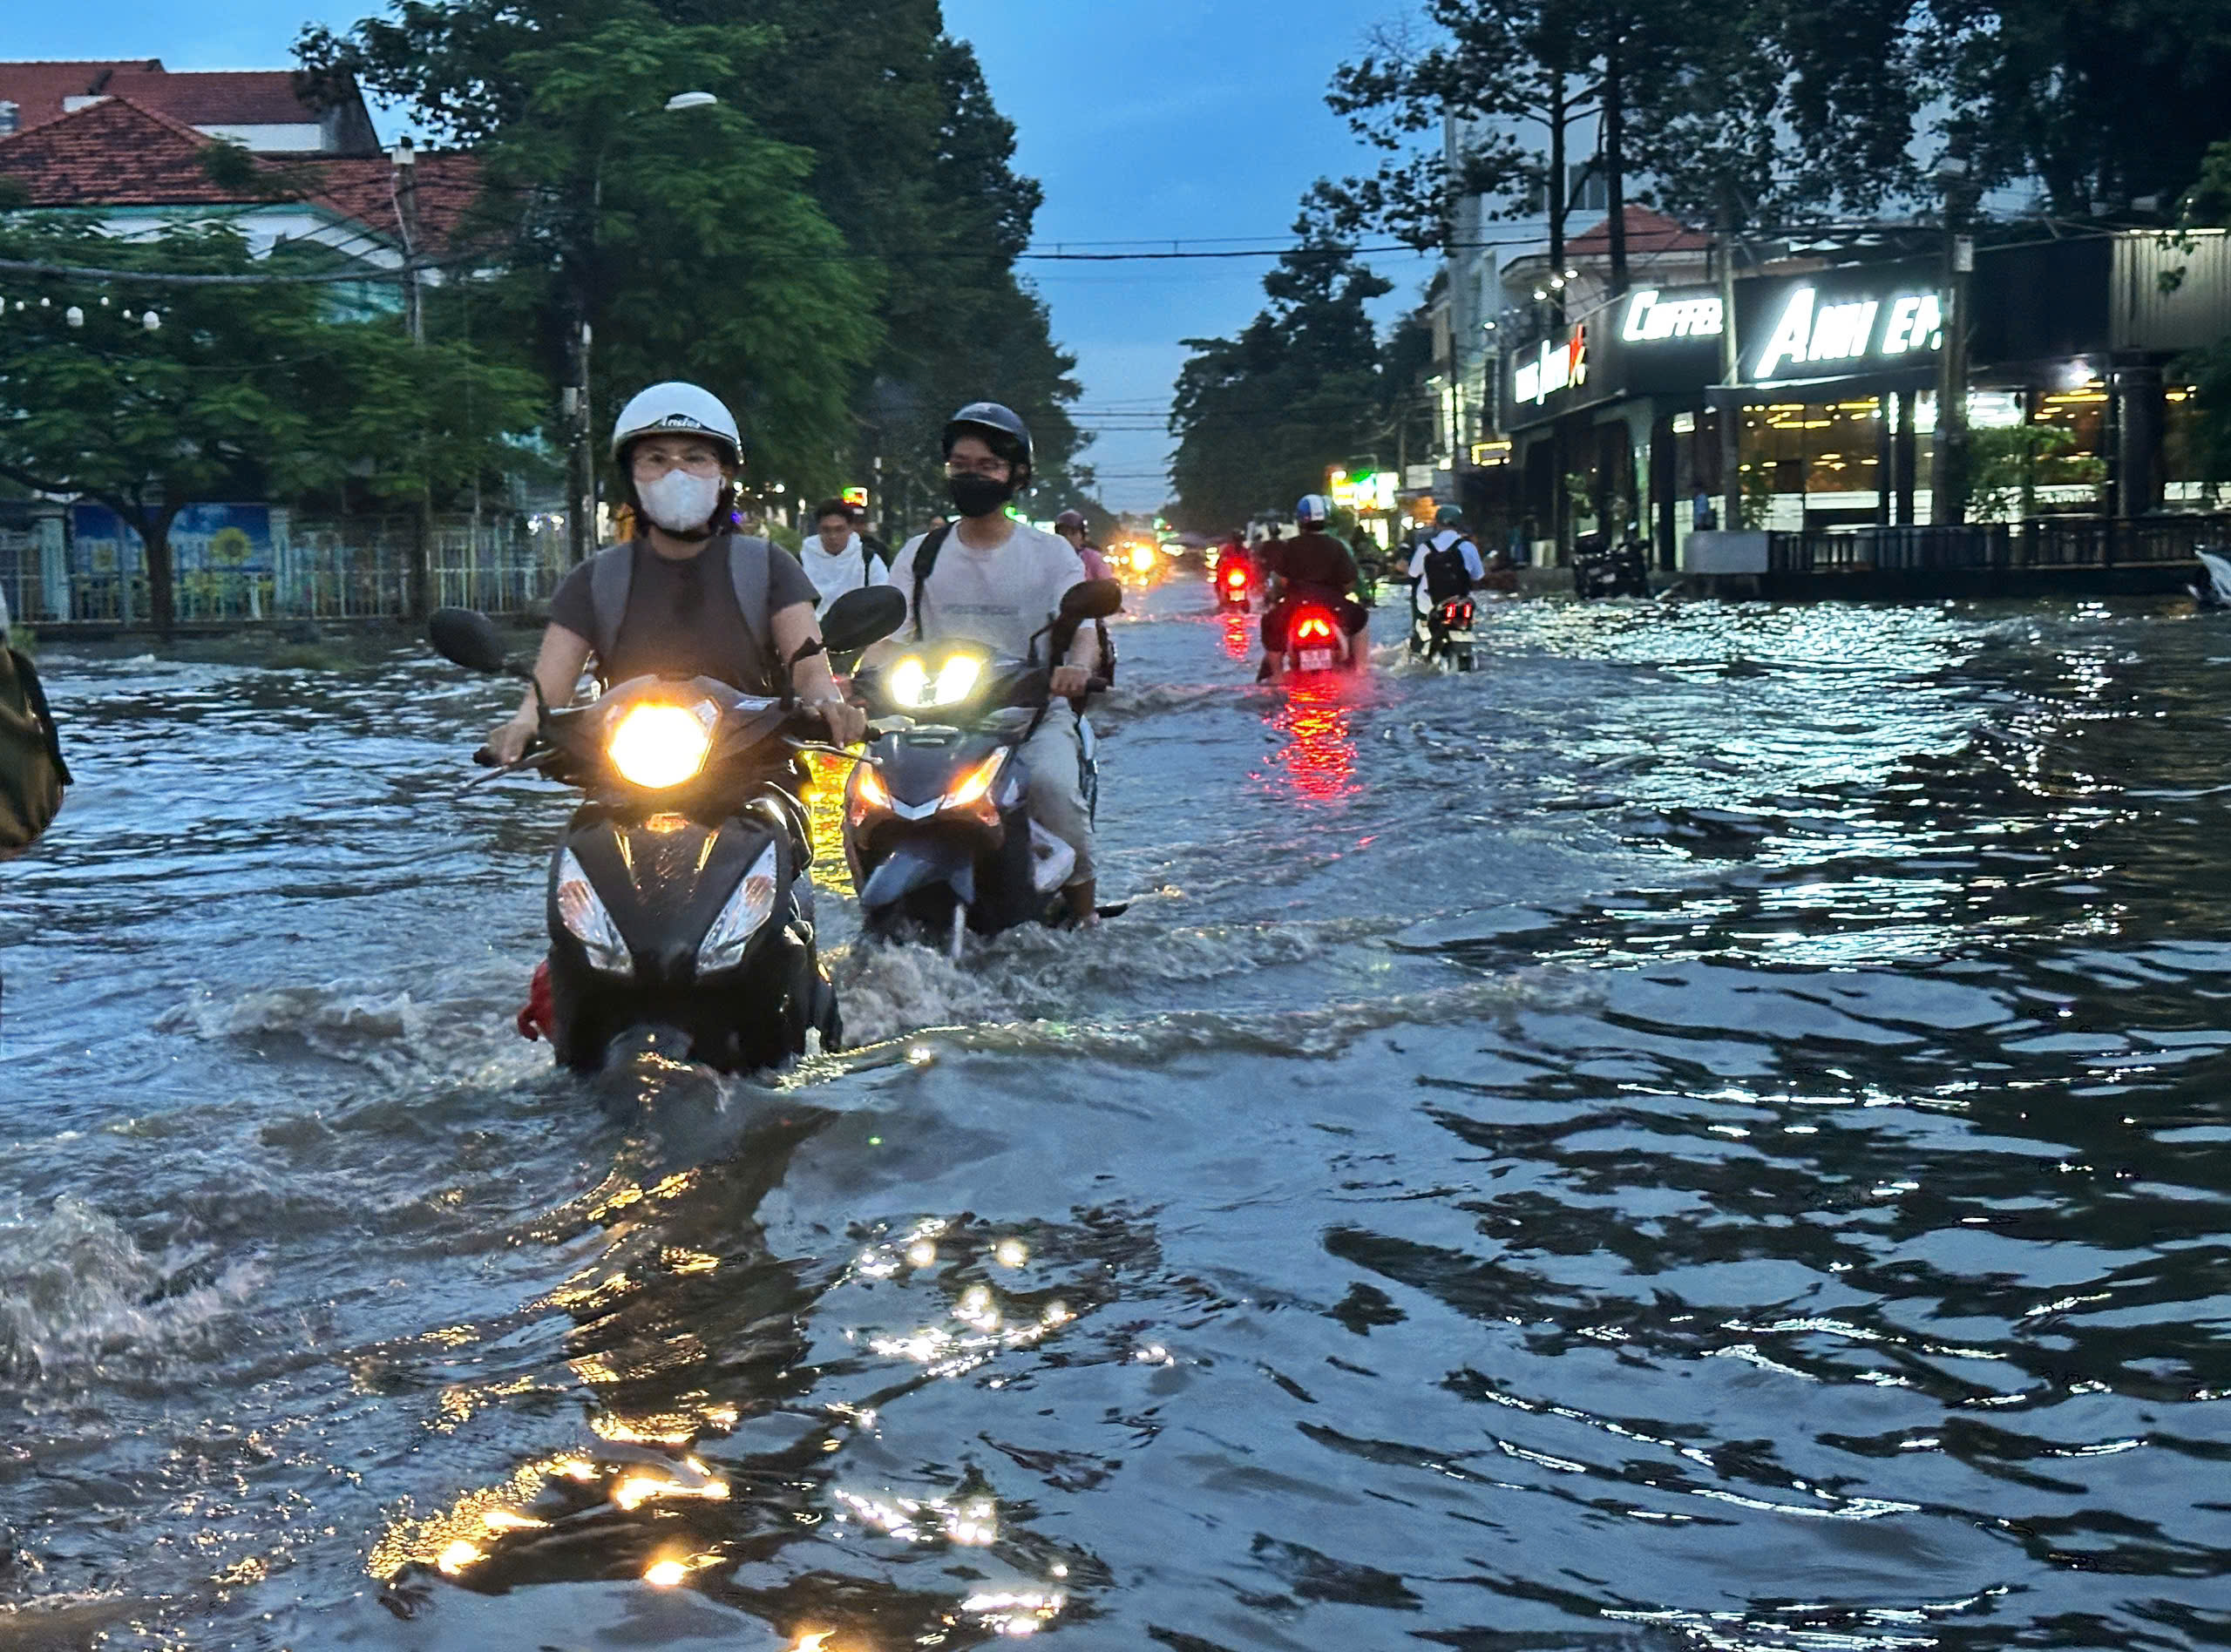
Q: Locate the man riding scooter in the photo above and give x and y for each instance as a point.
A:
(1312, 567)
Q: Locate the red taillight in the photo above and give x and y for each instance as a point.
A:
(1314, 627)
(1236, 578)
(1456, 611)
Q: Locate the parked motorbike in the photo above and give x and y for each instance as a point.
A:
(679, 894)
(937, 819)
(1613, 571)
(1442, 633)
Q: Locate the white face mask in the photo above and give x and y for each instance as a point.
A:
(679, 502)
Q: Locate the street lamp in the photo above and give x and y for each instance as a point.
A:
(581, 518)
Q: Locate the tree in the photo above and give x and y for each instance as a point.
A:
(1260, 417)
(899, 305)
(687, 240)
(2104, 106)
(2007, 466)
(237, 391)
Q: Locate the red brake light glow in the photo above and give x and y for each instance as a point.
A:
(1314, 627)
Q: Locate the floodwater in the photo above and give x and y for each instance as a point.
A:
(1707, 1132)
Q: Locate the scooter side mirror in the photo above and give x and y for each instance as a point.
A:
(859, 618)
(469, 639)
(1092, 599)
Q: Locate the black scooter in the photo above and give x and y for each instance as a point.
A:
(679, 896)
(937, 817)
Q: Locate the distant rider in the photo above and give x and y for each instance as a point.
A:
(993, 581)
(1447, 565)
(1312, 567)
(1071, 525)
(837, 555)
(678, 451)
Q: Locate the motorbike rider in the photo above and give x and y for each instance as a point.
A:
(678, 450)
(1312, 567)
(837, 555)
(992, 580)
(1447, 564)
(1071, 524)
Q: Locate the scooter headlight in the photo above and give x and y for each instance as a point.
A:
(659, 747)
(722, 947)
(870, 795)
(913, 686)
(582, 911)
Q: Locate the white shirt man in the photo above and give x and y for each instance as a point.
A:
(834, 557)
(998, 597)
(1473, 568)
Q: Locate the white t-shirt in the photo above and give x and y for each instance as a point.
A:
(997, 597)
(848, 570)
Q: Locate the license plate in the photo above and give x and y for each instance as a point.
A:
(1316, 659)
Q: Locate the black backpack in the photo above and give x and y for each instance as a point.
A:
(1446, 574)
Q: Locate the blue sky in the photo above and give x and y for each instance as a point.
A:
(1151, 120)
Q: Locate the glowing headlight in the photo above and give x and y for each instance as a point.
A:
(912, 685)
(657, 747)
(582, 911)
(974, 786)
(870, 795)
(1142, 559)
(722, 947)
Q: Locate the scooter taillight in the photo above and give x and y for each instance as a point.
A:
(1237, 579)
(1313, 627)
(1456, 613)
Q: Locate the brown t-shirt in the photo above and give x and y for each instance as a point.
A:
(681, 618)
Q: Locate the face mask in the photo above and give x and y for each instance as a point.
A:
(679, 502)
(978, 496)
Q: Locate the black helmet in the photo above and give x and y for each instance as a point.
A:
(1007, 435)
(1448, 517)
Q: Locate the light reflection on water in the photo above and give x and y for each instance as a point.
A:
(1715, 1143)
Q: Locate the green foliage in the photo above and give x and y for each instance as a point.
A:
(1758, 500)
(2007, 466)
(243, 392)
(831, 249)
(1260, 417)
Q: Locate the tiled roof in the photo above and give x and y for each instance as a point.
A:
(117, 154)
(1648, 232)
(112, 154)
(199, 97)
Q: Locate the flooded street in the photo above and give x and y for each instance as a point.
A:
(1708, 1132)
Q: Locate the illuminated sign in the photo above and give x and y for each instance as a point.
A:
(1557, 368)
(1651, 316)
(1809, 331)
(1361, 493)
(857, 497)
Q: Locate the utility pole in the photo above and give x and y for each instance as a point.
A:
(404, 174)
(1731, 372)
(1948, 469)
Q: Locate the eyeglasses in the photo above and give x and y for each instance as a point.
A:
(657, 461)
(997, 469)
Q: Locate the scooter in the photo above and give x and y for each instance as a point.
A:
(678, 895)
(1441, 632)
(1235, 584)
(937, 817)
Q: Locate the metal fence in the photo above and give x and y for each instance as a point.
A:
(354, 568)
(2039, 542)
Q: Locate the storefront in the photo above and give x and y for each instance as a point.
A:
(1604, 421)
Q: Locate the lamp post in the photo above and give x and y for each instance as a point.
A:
(580, 519)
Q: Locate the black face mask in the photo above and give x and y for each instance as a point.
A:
(978, 496)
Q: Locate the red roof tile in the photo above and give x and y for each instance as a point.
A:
(1648, 232)
(117, 154)
(37, 89)
(218, 97)
(112, 153)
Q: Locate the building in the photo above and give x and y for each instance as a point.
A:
(266, 111)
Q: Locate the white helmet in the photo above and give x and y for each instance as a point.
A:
(679, 408)
(1314, 508)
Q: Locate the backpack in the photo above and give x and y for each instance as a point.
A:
(1446, 574)
(613, 570)
(32, 772)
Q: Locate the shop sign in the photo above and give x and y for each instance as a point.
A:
(1557, 366)
(1838, 333)
(1653, 315)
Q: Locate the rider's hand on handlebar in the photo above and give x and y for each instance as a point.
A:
(847, 724)
(1068, 681)
(508, 743)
